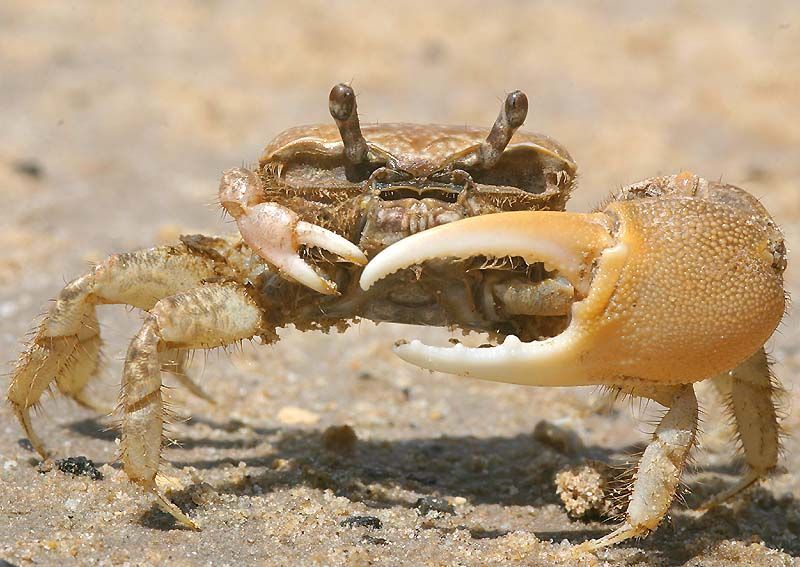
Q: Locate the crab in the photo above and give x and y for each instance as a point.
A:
(675, 280)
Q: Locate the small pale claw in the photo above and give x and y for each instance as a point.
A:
(270, 230)
(276, 232)
(314, 235)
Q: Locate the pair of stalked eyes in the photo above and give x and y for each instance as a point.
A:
(358, 154)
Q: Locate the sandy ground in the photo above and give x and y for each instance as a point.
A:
(116, 124)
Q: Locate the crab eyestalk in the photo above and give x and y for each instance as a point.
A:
(669, 290)
(512, 116)
(344, 110)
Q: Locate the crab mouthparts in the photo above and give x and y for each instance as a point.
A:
(572, 244)
(399, 192)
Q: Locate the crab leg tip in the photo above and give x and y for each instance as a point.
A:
(168, 507)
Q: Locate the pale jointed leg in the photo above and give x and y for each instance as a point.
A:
(174, 362)
(751, 393)
(66, 346)
(206, 317)
(661, 466)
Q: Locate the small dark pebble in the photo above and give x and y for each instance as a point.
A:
(79, 466)
(433, 504)
(29, 167)
(374, 540)
(4, 563)
(340, 439)
(25, 444)
(362, 522)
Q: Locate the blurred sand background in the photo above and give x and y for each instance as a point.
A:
(115, 123)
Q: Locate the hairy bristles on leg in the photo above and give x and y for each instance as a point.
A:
(752, 395)
(65, 347)
(206, 317)
(174, 362)
(659, 471)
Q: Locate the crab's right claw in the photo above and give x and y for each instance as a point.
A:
(276, 232)
(670, 290)
(567, 243)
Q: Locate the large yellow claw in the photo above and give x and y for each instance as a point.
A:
(671, 289)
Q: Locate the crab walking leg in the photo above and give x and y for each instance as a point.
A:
(174, 362)
(751, 393)
(661, 466)
(206, 317)
(70, 360)
(553, 296)
(83, 362)
(276, 232)
(66, 347)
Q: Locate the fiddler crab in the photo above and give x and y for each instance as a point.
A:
(673, 281)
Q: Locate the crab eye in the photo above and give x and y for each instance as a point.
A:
(516, 108)
(530, 166)
(342, 102)
(511, 117)
(529, 169)
(361, 162)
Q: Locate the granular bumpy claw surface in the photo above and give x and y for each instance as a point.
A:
(676, 281)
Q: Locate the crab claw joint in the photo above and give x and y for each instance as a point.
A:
(668, 290)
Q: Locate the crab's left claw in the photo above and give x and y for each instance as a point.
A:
(668, 290)
(276, 233)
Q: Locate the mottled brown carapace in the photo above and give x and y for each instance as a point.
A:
(673, 281)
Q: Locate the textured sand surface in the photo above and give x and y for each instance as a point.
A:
(116, 123)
